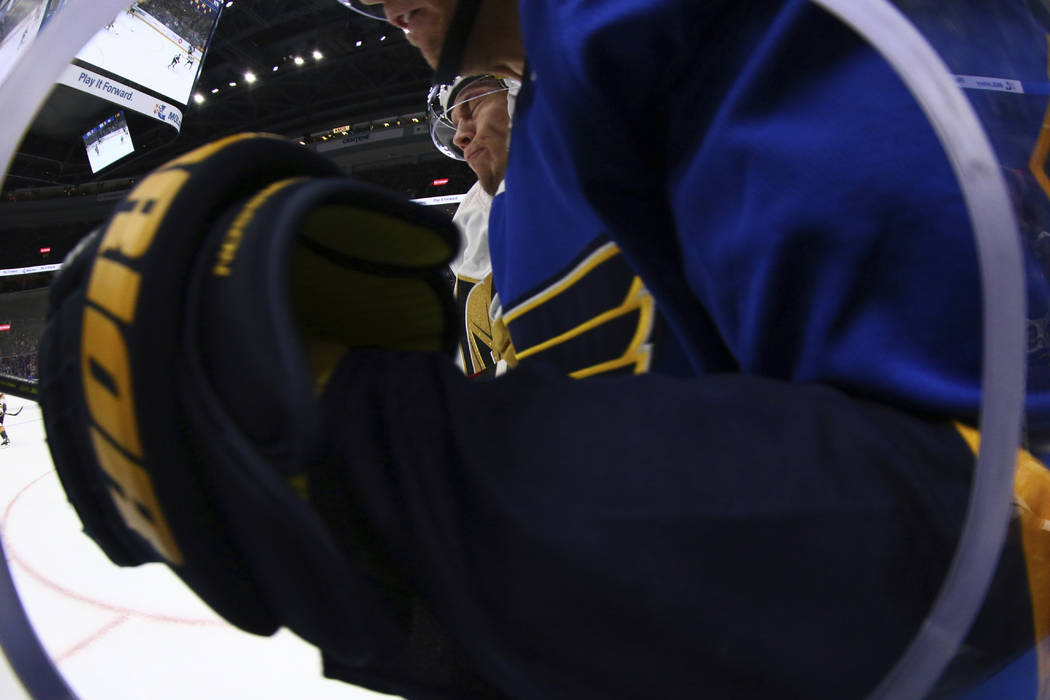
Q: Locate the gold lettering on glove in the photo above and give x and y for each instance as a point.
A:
(231, 241)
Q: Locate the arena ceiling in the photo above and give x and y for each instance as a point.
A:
(367, 72)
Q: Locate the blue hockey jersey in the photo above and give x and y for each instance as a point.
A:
(769, 507)
(791, 210)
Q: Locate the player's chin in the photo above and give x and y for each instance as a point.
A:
(428, 44)
(427, 35)
(489, 180)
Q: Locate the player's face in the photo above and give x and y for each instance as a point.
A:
(495, 42)
(424, 22)
(482, 131)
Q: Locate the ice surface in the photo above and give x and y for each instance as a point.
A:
(135, 632)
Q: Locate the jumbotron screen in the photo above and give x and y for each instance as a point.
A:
(158, 44)
(108, 142)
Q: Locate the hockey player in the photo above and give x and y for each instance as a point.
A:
(773, 522)
(470, 120)
(818, 281)
(474, 112)
(4, 441)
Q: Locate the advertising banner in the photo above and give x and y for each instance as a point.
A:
(124, 95)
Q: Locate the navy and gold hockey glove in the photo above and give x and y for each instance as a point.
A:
(186, 342)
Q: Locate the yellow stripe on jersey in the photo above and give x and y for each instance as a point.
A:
(1037, 162)
(1032, 500)
(638, 300)
(639, 351)
(628, 306)
(579, 272)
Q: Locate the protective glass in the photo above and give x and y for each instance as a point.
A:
(979, 72)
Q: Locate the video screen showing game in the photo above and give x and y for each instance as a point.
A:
(158, 44)
(108, 142)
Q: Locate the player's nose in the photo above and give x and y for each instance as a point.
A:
(464, 134)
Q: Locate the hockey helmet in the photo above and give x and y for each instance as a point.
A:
(443, 100)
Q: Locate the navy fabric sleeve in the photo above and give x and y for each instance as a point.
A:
(649, 537)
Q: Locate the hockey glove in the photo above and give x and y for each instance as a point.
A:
(186, 341)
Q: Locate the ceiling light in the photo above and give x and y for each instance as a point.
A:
(359, 42)
(249, 77)
(383, 38)
(298, 60)
(232, 84)
(318, 55)
(229, 4)
(214, 90)
(198, 98)
(275, 69)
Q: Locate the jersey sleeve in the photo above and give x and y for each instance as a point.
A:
(629, 537)
(777, 188)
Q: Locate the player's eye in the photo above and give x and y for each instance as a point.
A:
(459, 113)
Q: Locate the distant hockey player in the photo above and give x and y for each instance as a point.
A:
(4, 441)
(175, 60)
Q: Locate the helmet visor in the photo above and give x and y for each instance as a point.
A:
(374, 11)
(445, 108)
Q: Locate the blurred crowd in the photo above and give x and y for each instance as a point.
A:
(18, 352)
(23, 296)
